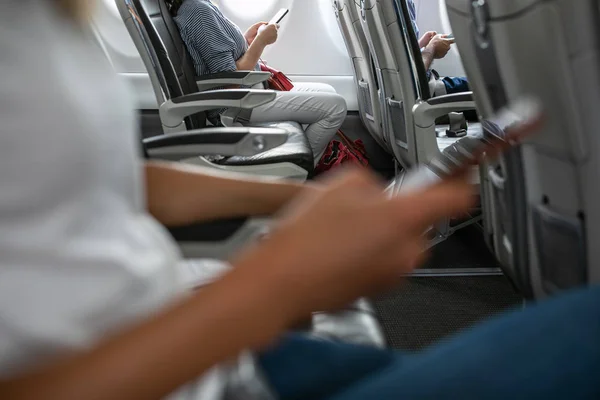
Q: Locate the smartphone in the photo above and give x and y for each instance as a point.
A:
(279, 16)
(500, 132)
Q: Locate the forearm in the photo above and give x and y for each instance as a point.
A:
(172, 349)
(428, 58)
(179, 194)
(249, 60)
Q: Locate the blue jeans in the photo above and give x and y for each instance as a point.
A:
(547, 351)
(456, 84)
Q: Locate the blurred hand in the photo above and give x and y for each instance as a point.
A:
(252, 32)
(439, 46)
(268, 34)
(426, 38)
(349, 239)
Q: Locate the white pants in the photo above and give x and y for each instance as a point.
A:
(316, 106)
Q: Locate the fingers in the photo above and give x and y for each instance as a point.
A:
(499, 141)
(412, 255)
(392, 266)
(447, 39)
(415, 211)
(423, 208)
(257, 25)
(441, 46)
(353, 176)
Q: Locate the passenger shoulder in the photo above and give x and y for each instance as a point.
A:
(197, 9)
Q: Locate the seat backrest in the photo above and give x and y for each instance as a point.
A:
(348, 18)
(546, 190)
(399, 66)
(162, 50)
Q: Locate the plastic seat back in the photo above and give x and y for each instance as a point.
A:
(162, 50)
(545, 192)
(401, 72)
(348, 18)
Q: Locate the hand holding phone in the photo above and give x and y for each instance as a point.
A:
(281, 14)
(499, 133)
(277, 18)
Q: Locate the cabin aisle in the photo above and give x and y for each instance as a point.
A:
(428, 309)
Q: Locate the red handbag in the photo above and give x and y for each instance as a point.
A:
(278, 80)
(341, 152)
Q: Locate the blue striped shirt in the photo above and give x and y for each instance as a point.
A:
(412, 10)
(214, 42)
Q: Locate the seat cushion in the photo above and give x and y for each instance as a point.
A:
(296, 150)
(356, 324)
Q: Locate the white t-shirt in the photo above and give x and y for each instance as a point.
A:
(79, 256)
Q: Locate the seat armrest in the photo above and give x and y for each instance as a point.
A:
(215, 231)
(426, 112)
(220, 239)
(172, 112)
(227, 142)
(243, 78)
(451, 98)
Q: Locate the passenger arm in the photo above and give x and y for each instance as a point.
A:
(179, 194)
(426, 38)
(428, 57)
(139, 363)
(267, 35)
(251, 57)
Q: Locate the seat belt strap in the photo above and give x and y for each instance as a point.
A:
(244, 116)
(458, 125)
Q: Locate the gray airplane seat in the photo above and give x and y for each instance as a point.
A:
(184, 99)
(410, 110)
(348, 18)
(545, 193)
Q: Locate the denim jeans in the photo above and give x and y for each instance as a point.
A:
(547, 351)
(456, 84)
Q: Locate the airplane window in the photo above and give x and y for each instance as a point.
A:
(331, 26)
(248, 9)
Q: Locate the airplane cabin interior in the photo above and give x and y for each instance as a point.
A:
(363, 49)
(413, 114)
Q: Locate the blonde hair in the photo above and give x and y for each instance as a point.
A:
(79, 10)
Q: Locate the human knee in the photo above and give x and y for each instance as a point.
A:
(315, 87)
(338, 109)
